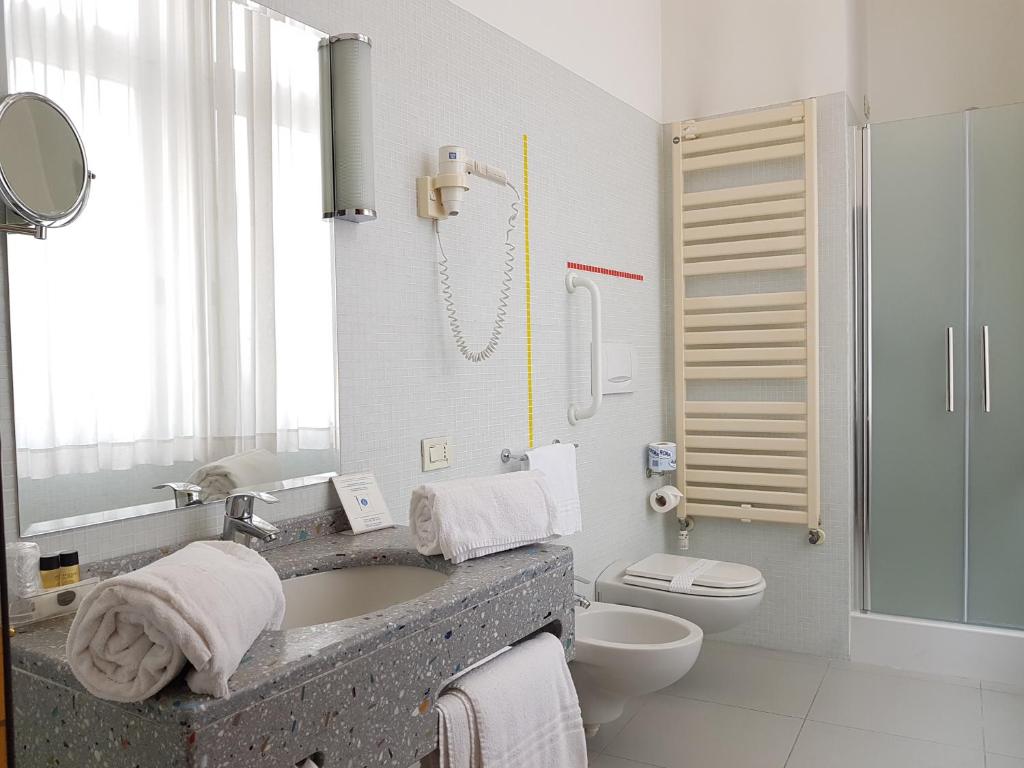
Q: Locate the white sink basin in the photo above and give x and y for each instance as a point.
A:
(346, 592)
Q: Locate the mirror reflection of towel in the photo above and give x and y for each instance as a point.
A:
(220, 478)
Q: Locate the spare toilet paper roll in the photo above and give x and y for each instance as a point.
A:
(665, 498)
(661, 457)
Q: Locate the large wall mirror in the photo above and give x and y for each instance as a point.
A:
(183, 330)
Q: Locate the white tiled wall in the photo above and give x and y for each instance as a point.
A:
(596, 176)
(444, 77)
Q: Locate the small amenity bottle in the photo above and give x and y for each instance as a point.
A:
(49, 571)
(69, 571)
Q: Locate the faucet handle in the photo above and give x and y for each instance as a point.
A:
(185, 494)
(239, 504)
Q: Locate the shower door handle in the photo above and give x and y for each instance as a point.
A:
(986, 392)
(949, 369)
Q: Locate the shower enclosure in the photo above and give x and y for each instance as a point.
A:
(943, 367)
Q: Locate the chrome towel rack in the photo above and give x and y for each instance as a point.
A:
(507, 455)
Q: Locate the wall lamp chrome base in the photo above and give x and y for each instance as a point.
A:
(353, 214)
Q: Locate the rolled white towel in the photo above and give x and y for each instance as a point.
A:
(220, 478)
(423, 523)
(204, 605)
(463, 519)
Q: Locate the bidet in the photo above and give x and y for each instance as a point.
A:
(624, 652)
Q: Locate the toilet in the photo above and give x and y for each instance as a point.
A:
(623, 652)
(645, 628)
(714, 595)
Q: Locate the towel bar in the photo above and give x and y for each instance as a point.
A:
(755, 459)
(507, 455)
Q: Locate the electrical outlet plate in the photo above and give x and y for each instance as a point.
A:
(435, 453)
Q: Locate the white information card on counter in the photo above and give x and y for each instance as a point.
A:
(362, 502)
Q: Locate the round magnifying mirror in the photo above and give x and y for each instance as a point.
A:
(44, 177)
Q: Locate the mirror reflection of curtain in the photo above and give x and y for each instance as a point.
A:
(188, 314)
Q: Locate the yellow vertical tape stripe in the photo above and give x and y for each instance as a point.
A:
(526, 258)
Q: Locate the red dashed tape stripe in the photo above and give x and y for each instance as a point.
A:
(604, 271)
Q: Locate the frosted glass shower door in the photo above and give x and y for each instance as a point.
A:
(918, 291)
(996, 475)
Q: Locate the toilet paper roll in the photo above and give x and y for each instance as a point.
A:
(665, 499)
(661, 457)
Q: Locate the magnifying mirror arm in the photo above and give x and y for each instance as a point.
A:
(38, 231)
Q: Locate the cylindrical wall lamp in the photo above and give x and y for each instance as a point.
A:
(346, 128)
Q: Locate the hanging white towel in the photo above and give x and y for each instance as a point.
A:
(204, 604)
(463, 519)
(515, 711)
(558, 463)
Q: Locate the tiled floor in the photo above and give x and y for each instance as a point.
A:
(742, 707)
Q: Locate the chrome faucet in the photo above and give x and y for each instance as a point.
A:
(185, 494)
(579, 599)
(241, 525)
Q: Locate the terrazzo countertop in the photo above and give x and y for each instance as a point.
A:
(281, 660)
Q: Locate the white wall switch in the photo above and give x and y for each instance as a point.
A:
(435, 452)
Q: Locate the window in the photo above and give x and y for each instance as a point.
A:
(189, 313)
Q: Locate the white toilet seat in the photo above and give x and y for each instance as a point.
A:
(696, 589)
(717, 578)
(714, 609)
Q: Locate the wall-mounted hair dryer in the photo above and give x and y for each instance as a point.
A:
(441, 196)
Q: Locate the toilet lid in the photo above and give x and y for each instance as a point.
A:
(721, 575)
(696, 589)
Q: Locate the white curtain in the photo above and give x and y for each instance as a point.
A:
(188, 314)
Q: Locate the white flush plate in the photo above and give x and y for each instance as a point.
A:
(619, 368)
(435, 453)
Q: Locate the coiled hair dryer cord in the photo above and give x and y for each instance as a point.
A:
(506, 291)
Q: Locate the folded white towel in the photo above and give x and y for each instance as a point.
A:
(220, 478)
(204, 604)
(558, 463)
(518, 710)
(463, 519)
(458, 743)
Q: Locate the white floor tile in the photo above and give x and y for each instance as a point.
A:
(856, 666)
(608, 731)
(900, 705)
(1002, 761)
(1004, 723)
(607, 761)
(821, 745)
(741, 676)
(990, 685)
(684, 733)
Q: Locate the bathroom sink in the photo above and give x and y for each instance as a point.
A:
(346, 592)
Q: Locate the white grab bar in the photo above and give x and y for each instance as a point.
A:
(572, 282)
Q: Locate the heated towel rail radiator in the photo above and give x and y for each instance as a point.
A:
(747, 459)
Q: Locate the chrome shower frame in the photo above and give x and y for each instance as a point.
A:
(861, 598)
